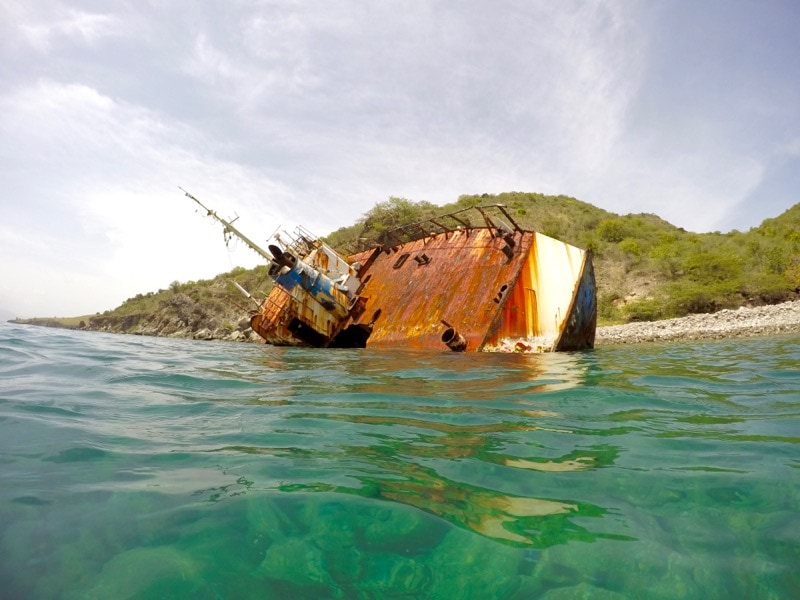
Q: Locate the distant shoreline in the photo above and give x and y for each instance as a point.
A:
(772, 319)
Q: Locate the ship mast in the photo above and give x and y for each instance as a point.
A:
(229, 228)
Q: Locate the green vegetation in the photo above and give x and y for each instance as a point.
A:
(213, 304)
(646, 268)
(384, 216)
(182, 310)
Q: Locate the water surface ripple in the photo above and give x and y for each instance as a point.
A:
(139, 467)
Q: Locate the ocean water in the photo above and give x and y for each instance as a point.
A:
(135, 467)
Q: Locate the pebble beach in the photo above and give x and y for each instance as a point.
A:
(774, 319)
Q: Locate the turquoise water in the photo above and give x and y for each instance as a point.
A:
(137, 467)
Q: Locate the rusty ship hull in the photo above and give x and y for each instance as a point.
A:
(472, 280)
(474, 289)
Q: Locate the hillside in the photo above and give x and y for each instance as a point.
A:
(205, 309)
(646, 268)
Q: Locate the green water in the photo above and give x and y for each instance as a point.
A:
(149, 468)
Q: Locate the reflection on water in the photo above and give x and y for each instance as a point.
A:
(402, 434)
(487, 511)
(401, 438)
(452, 375)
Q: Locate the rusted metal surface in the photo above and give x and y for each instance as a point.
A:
(483, 287)
(272, 319)
(461, 278)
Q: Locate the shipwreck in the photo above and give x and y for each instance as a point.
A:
(472, 280)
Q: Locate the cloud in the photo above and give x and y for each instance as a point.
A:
(427, 101)
(61, 23)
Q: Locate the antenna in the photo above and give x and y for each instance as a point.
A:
(229, 228)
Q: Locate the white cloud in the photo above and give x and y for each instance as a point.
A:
(43, 28)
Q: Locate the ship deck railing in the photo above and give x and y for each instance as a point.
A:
(494, 217)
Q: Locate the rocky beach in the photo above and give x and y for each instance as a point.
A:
(741, 322)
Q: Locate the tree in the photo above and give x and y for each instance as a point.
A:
(395, 212)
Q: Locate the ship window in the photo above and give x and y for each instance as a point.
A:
(401, 260)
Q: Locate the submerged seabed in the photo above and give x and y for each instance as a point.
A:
(151, 468)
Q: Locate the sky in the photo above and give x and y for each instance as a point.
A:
(309, 112)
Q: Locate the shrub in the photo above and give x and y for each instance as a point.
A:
(611, 230)
(631, 247)
(648, 309)
(607, 310)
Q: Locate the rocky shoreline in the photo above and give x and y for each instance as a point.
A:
(741, 322)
